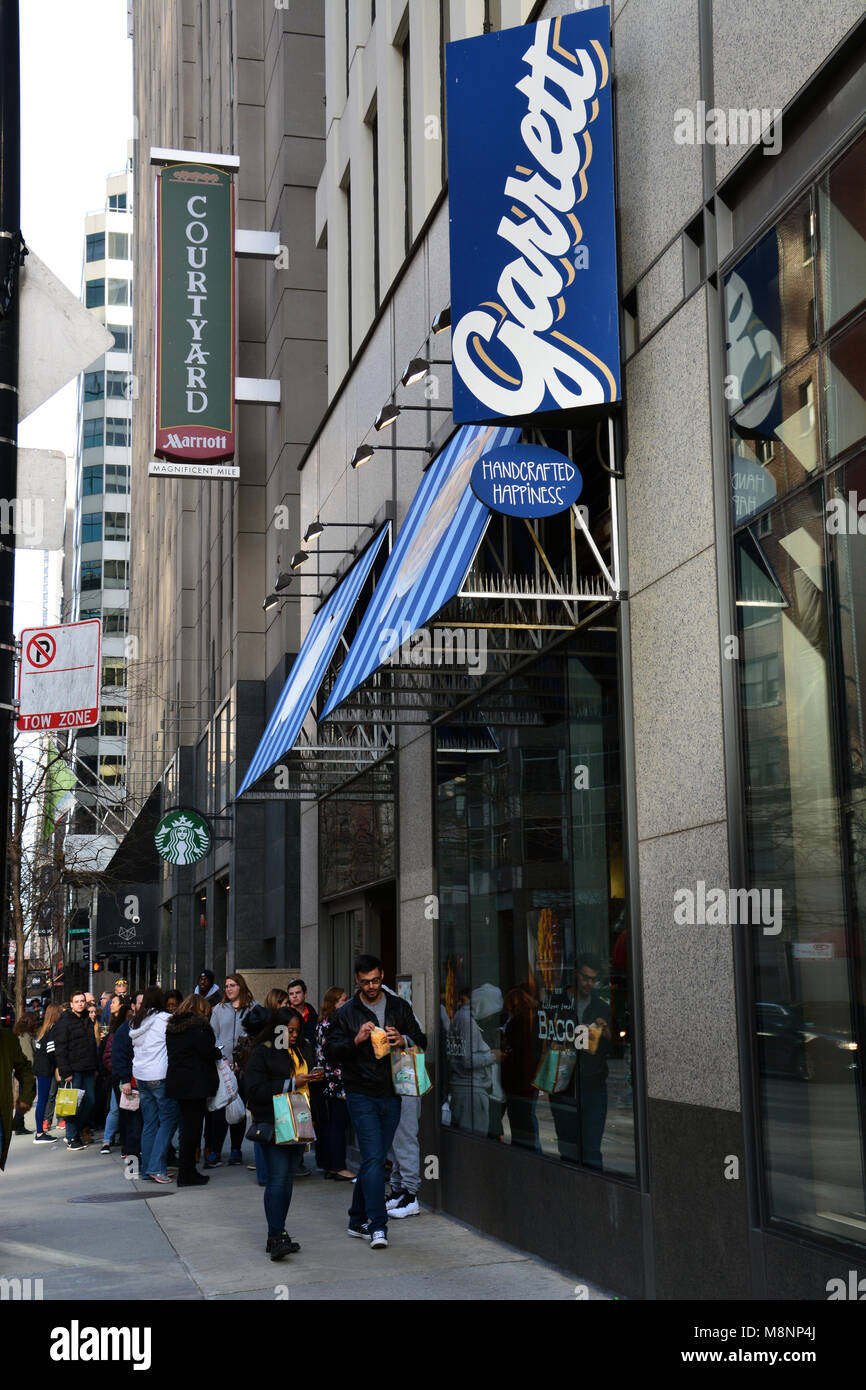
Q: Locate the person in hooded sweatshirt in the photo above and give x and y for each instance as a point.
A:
(191, 1077)
(159, 1112)
(207, 988)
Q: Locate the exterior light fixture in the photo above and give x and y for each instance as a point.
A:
(299, 559)
(270, 602)
(282, 583)
(362, 455)
(418, 368)
(387, 415)
(415, 371)
(441, 321)
(313, 531)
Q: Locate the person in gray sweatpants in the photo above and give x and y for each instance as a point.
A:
(405, 1155)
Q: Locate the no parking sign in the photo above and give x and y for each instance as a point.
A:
(59, 677)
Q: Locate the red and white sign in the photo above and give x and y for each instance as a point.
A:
(812, 950)
(59, 677)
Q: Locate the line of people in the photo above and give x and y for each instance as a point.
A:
(172, 1063)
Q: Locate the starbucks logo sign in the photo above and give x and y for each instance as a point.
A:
(183, 837)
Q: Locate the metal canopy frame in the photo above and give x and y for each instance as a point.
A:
(351, 754)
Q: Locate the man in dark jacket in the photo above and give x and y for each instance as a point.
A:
(12, 1060)
(374, 1107)
(76, 1057)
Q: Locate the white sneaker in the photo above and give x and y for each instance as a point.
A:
(407, 1205)
(379, 1241)
(394, 1199)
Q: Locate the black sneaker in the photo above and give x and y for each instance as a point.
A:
(360, 1232)
(75, 1146)
(280, 1246)
(106, 1149)
(45, 1138)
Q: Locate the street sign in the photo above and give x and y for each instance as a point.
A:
(59, 337)
(59, 677)
(37, 514)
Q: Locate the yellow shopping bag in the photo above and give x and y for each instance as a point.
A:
(68, 1100)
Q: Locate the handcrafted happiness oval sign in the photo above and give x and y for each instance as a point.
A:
(526, 480)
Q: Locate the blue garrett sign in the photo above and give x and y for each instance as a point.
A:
(534, 302)
(525, 480)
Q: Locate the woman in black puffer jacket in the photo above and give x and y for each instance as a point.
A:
(280, 1060)
(191, 1077)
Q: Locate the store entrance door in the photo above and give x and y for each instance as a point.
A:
(363, 922)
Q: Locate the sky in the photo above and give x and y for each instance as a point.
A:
(76, 119)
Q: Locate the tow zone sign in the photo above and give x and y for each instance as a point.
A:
(59, 677)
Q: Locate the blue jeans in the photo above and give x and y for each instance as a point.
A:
(82, 1081)
(159, 1116)
(112, 1123)
(375, 1120)
(282, 1162)
(261, 1163)
(43, 1086)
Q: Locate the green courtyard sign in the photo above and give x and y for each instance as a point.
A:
(195, 315)
(183, 836)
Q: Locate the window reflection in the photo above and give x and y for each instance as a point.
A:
(535, 1028)
(842, 212)
(846, 390)
(804, 1023)
(770, 307)
(775, 441)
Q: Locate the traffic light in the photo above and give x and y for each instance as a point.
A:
(97, 964)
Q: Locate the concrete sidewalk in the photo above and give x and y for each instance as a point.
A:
(75, 1222)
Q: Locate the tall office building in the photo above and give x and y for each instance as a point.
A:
(100, 543)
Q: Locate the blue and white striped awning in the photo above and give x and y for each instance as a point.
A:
(310, 666)
(430, 559)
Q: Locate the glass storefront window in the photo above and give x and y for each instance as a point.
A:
(775, 441)
(770, 306)
(800, 572)
(534, 1004)
(842, 212)
(356, 844)
(845, 372)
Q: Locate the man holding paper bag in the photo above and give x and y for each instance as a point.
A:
(360, 1041)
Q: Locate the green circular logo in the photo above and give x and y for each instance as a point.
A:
(183, 836)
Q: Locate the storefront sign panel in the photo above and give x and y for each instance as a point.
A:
(526, 480)
(534, 300)
(195, 314)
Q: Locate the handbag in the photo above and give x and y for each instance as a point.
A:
(260, 1132)
(227, 1088)
(293, 1119)
(555, 1070)
(129, 1102)
(409, 1073)
(68, 1100)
